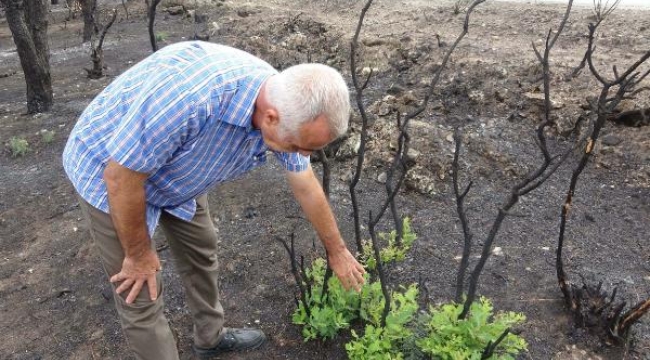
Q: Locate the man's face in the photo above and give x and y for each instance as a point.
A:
(312, 136)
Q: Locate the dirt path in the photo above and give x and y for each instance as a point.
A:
(55, 301)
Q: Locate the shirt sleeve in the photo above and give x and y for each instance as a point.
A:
(157, 123)
(293, 162)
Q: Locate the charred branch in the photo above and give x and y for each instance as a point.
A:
(326, 172)
(534, 179)
(592, 307)
(491, 346)
(354, 45)
(601, 12)
(151, 14)
(295, 270)
(462, 215)
(380, 269)
(97, 52)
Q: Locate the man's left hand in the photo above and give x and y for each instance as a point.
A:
(347, 269)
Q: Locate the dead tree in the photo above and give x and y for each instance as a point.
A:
(298, 272)
(97, 52)
(359, 87)
(601, 11)
(151, 14)
(126, 8)
(591, 306)
(530, 182)
(89, 10)
(398, 169)
(27, 20)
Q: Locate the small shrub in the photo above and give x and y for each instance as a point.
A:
(450, 338)
(328, 313)
(161, 36)
(18, 146)
(47, 136)
(379, 343)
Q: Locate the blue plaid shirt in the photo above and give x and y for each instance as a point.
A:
(182, 115)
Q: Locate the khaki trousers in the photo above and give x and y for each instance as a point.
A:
(194, 248)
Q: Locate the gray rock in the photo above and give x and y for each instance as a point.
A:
(395, 90)
(175, 10)
(350, 147)
(611, 140)
(412, 156)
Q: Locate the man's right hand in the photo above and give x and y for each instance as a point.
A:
(135, 272)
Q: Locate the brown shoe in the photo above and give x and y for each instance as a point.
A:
(233, 340)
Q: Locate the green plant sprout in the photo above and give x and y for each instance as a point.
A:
(393, 251)
(161, 36)
(384, 342)
(18, 146)
(328, 313)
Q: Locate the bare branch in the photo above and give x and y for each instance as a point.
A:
(364, 126)
(462, 215)
(491, 346)
(300, 282)
(380, 269)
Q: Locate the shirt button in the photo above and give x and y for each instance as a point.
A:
(256, 158)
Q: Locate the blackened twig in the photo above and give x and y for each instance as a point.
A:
(151, 13)
(380, 269)
(491, 346)
(326, 172)
(300, 281)
(364, 126)
(535, 177)
(462, 215)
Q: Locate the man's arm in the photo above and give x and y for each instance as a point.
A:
(126, 199)
(311, 197)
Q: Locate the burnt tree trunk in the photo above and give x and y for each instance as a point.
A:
(27, 21)
(151, 14)
(97, 53)
(88, 8)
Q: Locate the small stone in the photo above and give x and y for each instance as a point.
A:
(500, 94)
(412, 156)
(395, 90)
(611, 140)
(382, 178)
(175, 10)
(243, 13)
(546, 248)
(350, 147)
(450, 138)
(384, 109)
(96, 335)
(477, 96)
(497, 251)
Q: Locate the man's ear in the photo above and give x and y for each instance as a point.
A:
(271, 117)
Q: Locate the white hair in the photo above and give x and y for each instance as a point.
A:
(304, 92)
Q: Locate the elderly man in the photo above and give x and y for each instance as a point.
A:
(149, 147)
